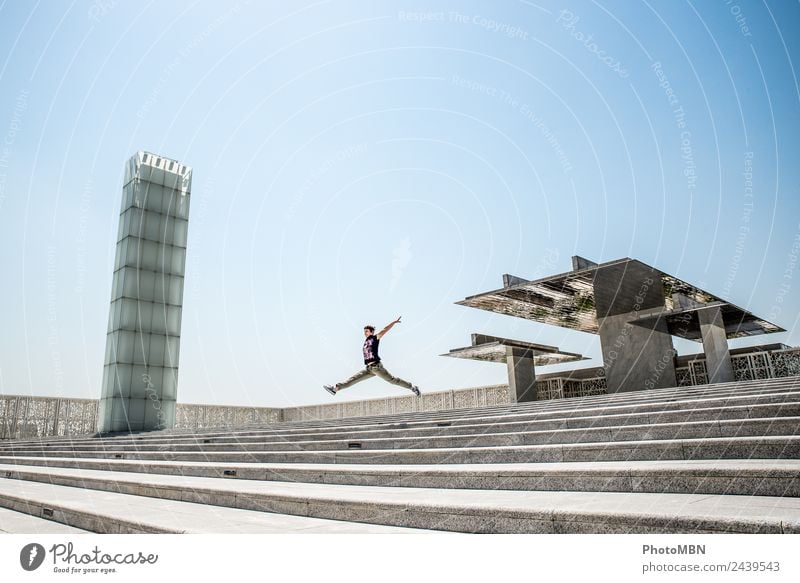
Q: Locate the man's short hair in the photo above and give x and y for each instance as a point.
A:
(370, 327)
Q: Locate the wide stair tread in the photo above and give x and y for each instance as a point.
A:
(741, 477)
(12, 522)
(112, 512)
(734, 420)
(717, 458)
(453, 509)
(766, 447)
(777, 390)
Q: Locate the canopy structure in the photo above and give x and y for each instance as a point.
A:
(685, 322)
(635, 309)
(569, 300)
(520, 357)
(493, 349)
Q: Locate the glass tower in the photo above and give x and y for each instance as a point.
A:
(140, 373)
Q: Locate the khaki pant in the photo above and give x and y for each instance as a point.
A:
(375, 369)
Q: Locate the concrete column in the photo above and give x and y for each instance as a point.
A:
(140, 374)
(715, 345)
(521, 375)
(634, 358)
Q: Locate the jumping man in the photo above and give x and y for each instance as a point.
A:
(373, 363)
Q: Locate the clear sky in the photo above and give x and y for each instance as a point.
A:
(355, 161)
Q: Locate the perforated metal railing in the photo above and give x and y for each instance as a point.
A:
(746, 367)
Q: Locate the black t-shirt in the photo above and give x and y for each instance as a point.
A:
(370, 349)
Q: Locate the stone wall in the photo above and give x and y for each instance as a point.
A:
(30, 417)
(457, 399)
(22, 417)
(203, 416)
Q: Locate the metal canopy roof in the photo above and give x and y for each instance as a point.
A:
(568, 300)
(685, 322)
(493, 349)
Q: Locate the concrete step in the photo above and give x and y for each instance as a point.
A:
(722, 458)
(789, 384)
(486, 511)
(504, 425)
(661, 395)
(773, 386)
(741, 477)
(651, 409)
(781, 447)
(107, 512)
(779, 426)
(12, 522)
(718, 396)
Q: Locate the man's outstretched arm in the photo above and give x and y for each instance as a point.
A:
(387, 328)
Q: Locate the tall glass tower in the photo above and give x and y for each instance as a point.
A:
(140, 374)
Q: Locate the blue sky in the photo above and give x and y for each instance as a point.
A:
(354, 161)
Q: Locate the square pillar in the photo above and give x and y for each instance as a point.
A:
(140, 374)
(521, 374)
(715, 345)
(634, 358)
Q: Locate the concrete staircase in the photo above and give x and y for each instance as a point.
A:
(713, 458)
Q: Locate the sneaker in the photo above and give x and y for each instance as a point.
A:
(415, 390)
(330, 389)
